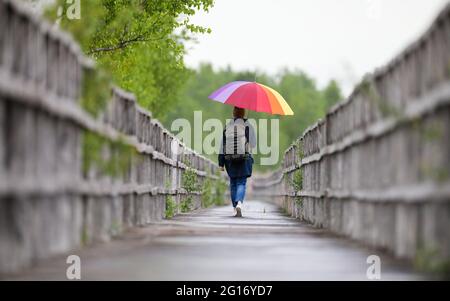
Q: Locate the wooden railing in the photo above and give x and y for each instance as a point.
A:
(51, 199)
(377, 167)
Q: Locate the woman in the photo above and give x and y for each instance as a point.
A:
(235, 155)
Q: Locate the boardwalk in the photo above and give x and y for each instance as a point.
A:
(375, 170)
(210, 244)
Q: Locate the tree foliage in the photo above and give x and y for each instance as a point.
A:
(139, 41)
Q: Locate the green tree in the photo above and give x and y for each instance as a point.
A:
(139, 41)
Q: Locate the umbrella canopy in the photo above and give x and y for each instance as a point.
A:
(252, 96)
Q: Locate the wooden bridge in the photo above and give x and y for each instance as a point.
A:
(375, 172)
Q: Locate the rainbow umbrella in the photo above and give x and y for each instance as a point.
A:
(252, 96)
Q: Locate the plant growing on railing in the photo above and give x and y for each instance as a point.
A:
(386, 109)
(171, 204)
(171, 207)
(220, 187)
(297, 181)
(186, 204)
(285, 180)
(189, 179)
(96, 90)
(189, 182)
(440, 174)
(431, 132)
(429, 260)
(95, 94)
(115, 228)
(299, 151)
(297, 185)
(110, 157)
(207, 193)
(299, 202)
(167, 183)
(84, 239)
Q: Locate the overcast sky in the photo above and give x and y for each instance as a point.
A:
(341, 39)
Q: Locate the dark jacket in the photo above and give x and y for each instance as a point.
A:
(239, 169)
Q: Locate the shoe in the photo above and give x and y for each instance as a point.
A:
(234, 211)
(239, 210)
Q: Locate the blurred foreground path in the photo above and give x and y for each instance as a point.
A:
(210, 244)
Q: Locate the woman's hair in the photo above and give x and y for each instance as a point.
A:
(238, 112)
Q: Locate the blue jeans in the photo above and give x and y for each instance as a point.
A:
(237, 189)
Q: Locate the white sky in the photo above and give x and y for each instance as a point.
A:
(341, 39)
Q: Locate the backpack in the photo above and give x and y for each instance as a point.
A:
(235, 140)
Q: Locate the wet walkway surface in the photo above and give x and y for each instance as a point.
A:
(210, 244)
